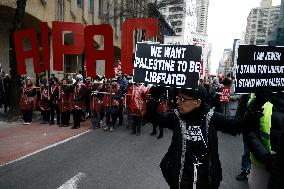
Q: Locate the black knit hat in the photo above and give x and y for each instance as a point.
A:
(199, 93)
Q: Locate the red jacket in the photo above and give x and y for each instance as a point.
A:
(138, 100)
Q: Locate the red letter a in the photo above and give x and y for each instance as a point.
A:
(150, 25)
(93, 54)
(22, 55)
(59, 49)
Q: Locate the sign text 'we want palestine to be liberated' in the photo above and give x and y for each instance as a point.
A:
(174, 65)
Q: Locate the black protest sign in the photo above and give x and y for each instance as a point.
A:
(174, 65)
(260, 66)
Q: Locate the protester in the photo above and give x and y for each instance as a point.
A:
(54, 98)
(138, 107)
(246, 162)
(65, 92)
(5, 96)
(157, 96)
(96, 105)
(192, 159)
(267, 113)
(28, 101)
(111, 104)
(79, 101)
(43, 102)
(230, 108)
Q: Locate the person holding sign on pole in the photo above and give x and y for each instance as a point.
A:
(192, 160)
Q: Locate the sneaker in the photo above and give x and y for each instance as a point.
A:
(106, 128)
(160, 136)
(111, 129)
(28, 123)
(153, 133)
(242, 176)
(25, 123)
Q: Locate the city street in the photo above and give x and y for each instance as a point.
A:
(103, 160)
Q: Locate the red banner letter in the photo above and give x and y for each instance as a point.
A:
(21, 54)
(59, 49)
(93, 54)
(150, 25)
(45, 47)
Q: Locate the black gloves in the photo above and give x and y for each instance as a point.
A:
(269, 158)
(252, 116)
(214, 185)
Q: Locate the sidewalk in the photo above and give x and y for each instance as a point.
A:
(17, 140)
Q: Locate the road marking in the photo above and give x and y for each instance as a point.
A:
(45, 148)
(73, 182)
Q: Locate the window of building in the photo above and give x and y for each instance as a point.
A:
(178, 30)
(175, 9)
(102, 8)
(60, 10)
(80, 3)
(91, 5)
(175, 16)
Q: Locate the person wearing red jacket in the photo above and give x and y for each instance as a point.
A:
(28, 101)
(138, 106)
(96, 103)
(63, 102)
(53, 103)
(88, 96)
(111, 104)
(43, 103)
(79, 101)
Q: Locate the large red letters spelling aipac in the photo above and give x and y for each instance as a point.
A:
(83, 40)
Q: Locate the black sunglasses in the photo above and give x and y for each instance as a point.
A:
(182, 99)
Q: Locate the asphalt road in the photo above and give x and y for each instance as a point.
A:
(104, 160)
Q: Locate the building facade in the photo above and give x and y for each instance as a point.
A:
(81, 11)
(86, 12)
(202, 15)
(225, 63)
(261, 23)
(180, 14)
(189, 20)
(277, 35)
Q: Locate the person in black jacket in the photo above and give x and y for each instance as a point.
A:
(267, 109)
(192, 160)
(157, 95)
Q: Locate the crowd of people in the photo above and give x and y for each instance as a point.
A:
(194, 116)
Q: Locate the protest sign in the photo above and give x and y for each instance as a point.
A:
(174, 65)
(260, 66)
(225, 94)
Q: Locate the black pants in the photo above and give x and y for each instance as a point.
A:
(120, 114)
(202, 183)
(77, 113)
(45, 116)
(113, 114)
(87, 105)
(65, 118)
(136, 124)
(27, 115)
(54, 107)
(155, 125)
(96, 118)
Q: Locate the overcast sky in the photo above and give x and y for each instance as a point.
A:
(226, 22)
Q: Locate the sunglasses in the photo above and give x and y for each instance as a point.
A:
(182, 99)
